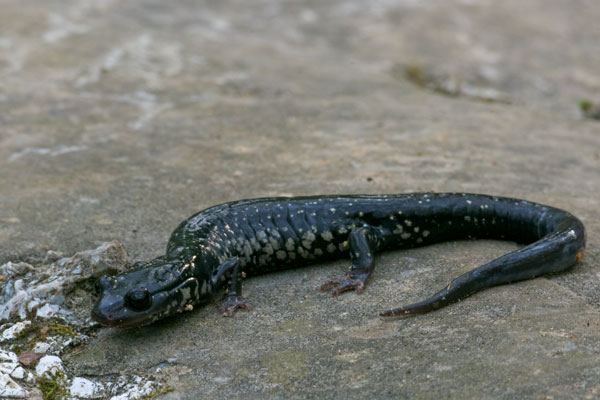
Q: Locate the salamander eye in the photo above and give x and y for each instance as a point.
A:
(138, 299)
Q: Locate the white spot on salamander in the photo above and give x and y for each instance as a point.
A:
(302, 252)
(274, 243)
(268, 249)
(327, 236)
(309, 236)
(308, 239)
(281, 254)
(290, 245)
(247, 249)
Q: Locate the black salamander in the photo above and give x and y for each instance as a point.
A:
(215, 248)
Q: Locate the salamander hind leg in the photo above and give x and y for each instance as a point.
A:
(362, 242)
(232, 299)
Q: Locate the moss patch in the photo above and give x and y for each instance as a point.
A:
(52, 385)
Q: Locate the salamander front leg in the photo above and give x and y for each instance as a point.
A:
(232, 300)
(362, 242)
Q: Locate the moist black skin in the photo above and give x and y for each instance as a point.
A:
(213, 249)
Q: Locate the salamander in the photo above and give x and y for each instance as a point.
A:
(210, 252)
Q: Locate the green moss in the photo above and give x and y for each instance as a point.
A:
(58, 328)
(52, 385)
(37, 332)
(586, 104)
(25, 333)
(414, 73)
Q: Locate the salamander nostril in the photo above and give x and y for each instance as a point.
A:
(138, 299)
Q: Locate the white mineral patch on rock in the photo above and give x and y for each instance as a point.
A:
(18, 373)
(26, 288)
(9, 365)
(135, 391)
(97, 262)
(13, 298)
(85, 388)
(48, 364)
(14, 330)
(8, 356)
(13, 270)
(47, 311)
(41, 347)
(9, 388)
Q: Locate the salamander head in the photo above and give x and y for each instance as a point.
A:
(150, 292)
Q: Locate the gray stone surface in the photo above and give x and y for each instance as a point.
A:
(119, 119)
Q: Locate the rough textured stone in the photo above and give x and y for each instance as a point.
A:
(120, 119)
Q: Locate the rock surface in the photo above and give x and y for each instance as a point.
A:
(120, 119)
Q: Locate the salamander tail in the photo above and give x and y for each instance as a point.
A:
(436, 301)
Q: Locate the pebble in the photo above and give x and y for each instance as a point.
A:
(85, 389)
(28, 358)
(9, 388)
(41, 347)
(48, 364)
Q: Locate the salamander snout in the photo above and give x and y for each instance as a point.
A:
(138, 299)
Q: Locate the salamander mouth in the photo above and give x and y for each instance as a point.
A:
(111, 309)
